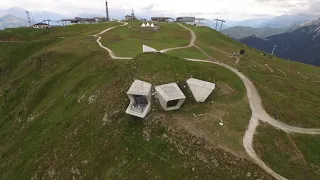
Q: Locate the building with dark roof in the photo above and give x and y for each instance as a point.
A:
(41, 26)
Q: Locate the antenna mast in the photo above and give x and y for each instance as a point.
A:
(107, 11)
(274, 48)
(29, 18)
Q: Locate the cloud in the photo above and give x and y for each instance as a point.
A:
(149, 7)
(315, 6)
(227, 9)
(293, 6)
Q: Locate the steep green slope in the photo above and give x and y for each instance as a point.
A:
(25, 34)
(293, 156)
(287, 88)
(63, 105)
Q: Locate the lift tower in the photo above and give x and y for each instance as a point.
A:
(107, 11)
(29, 18)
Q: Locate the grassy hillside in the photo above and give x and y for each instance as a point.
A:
(27, 34)
(293, 156)
(128, 40)
(63, 101)
(289, 89)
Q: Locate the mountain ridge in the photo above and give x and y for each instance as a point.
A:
(299, 44)
(10, 21)
(239, 32)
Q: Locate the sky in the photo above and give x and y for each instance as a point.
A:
(227, 9)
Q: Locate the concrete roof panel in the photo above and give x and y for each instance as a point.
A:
(170, 92)
(140, 88)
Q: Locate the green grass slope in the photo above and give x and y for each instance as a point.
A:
(27, 34)
(292, 156)
(128, 40)
(62, 107)
(291, 90)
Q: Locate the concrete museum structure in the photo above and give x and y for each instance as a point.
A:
(140, 99)
(146, 49)
(170, 96)
(201, 90)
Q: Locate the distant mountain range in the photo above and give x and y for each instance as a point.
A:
(212, 24)
(261, 27)
(9, 21)
(255, 23)
(301, 43)
(287, 21)
(17, 17)
(36, 16)
(283, 21)
(239, 32)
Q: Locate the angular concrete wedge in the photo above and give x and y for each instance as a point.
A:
(148, 49)
(201, 90)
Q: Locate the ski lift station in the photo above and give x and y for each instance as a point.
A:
(170, 96)
(140, 99)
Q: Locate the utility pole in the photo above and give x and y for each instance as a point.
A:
(29, 18)
(222, 21)
(132, 14)
(274, 48)
(32, 19)
(216, 23)
(107, 11)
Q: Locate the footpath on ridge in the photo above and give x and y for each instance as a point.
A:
(258, 112)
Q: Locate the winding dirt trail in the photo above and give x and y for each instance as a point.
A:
(112, 54)
(258, 112)
(247, 143)
(191, 44)
(282, 72)
(238, 59)
(303, 75)
(271, 70)
(256, 105)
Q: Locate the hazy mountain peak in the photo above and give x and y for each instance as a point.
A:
(10, 17)
(309, 23)
(10, 21)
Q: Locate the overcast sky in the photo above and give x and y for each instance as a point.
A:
(227, 9)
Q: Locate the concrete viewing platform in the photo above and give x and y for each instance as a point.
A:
(170, 96)
(140, 99)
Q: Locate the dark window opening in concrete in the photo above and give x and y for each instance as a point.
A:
(172, 103)
(140, 100)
